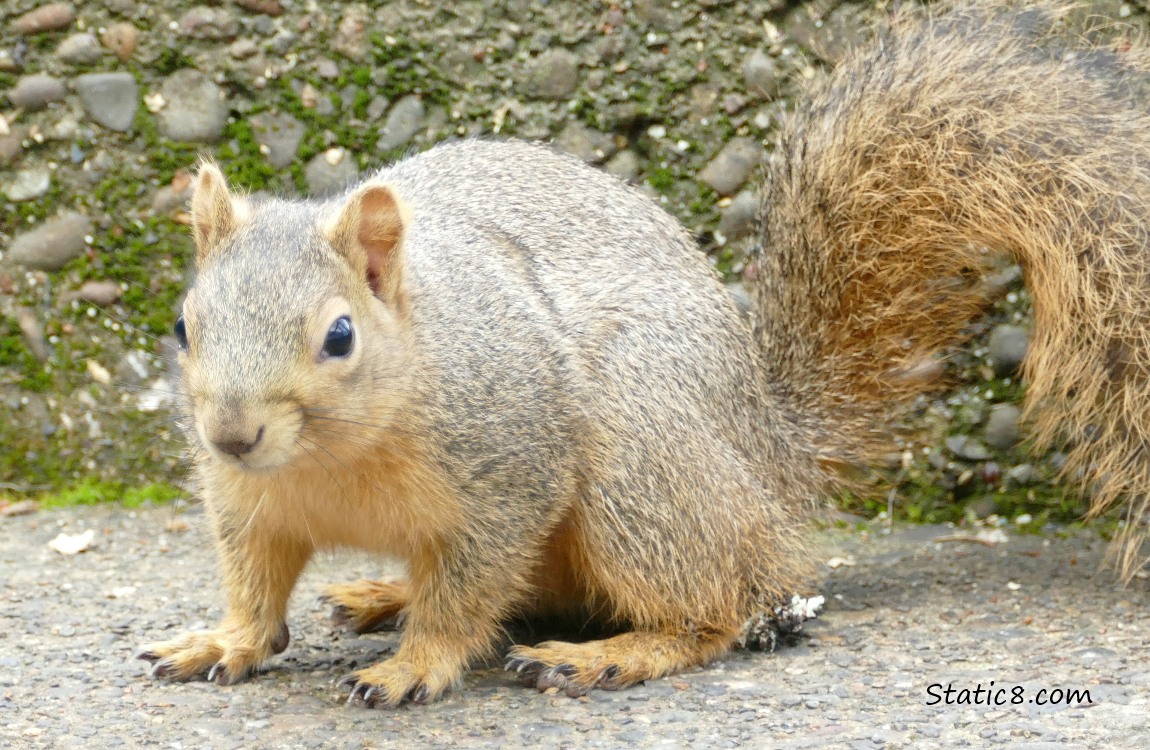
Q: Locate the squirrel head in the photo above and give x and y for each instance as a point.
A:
(293, 338)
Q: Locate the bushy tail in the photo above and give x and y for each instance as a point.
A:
(985, 128)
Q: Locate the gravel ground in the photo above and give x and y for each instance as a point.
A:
(909, 613)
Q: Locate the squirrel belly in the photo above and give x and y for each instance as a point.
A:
(521, 377)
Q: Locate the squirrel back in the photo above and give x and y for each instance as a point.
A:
(983, 127)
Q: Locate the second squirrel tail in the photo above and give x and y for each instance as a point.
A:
(957, 134)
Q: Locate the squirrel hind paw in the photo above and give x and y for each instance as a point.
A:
(367, 606)
(537, 668)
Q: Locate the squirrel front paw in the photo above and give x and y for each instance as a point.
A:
(226, 655)
(393, 682)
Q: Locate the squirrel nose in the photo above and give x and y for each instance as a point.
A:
(238, 446)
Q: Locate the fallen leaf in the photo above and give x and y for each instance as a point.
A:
(71, 544)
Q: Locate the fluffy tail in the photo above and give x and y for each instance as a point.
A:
(966, 132)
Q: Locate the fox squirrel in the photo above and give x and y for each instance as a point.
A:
(521, 377)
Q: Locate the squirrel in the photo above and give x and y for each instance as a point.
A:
(521, 377)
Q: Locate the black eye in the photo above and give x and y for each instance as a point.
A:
(181, 332)
(340, 338)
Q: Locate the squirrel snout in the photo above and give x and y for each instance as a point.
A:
(236, 445)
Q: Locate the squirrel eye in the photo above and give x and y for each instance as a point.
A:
(181, 332)
(340, 338)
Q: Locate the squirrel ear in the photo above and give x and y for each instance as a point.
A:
(215, 213)
(369, 232)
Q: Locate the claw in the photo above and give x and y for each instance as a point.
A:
(555, 677)
(282, 639)
(221, 675)
(163, 668)
(523, 665)
(560, 670)
(363, 691)
(607, 677)
(340, 615)
(419, 694)
(347, 681)
(149, 656)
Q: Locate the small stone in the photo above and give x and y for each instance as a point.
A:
(11, 146)
(279, 136)
(828, 36)
(734, 103)
(51, 17)
(202, 22)
(111, 99)
(242, 49)
(173, 197)
(967, 448)
(267, 7)
(554, 75)
(99, 293)
(351, 35)
(52, 244)
(32, 332)
(326, 68)
(376, 107)
(80, 49)
(1002, 430)
(589, 145)
(196, 109)
(761, 75)
(1007, 349)
(654, 14)
(1023, 474)
(738, 219)
(35, 92)
(732, 165)
(27, 184)
(309, 96)
(405, 119)
(625, 165)
(330, 172)
(282, 42)
(121, 7)
(121, 38)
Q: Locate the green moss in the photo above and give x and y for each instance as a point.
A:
(406, 63)
(359, 104)
(359, 76)
(93, 492)
(15, 354)
(88, 492)
(170, 60)
(241, 158)
(154, 494)
(661, 179)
